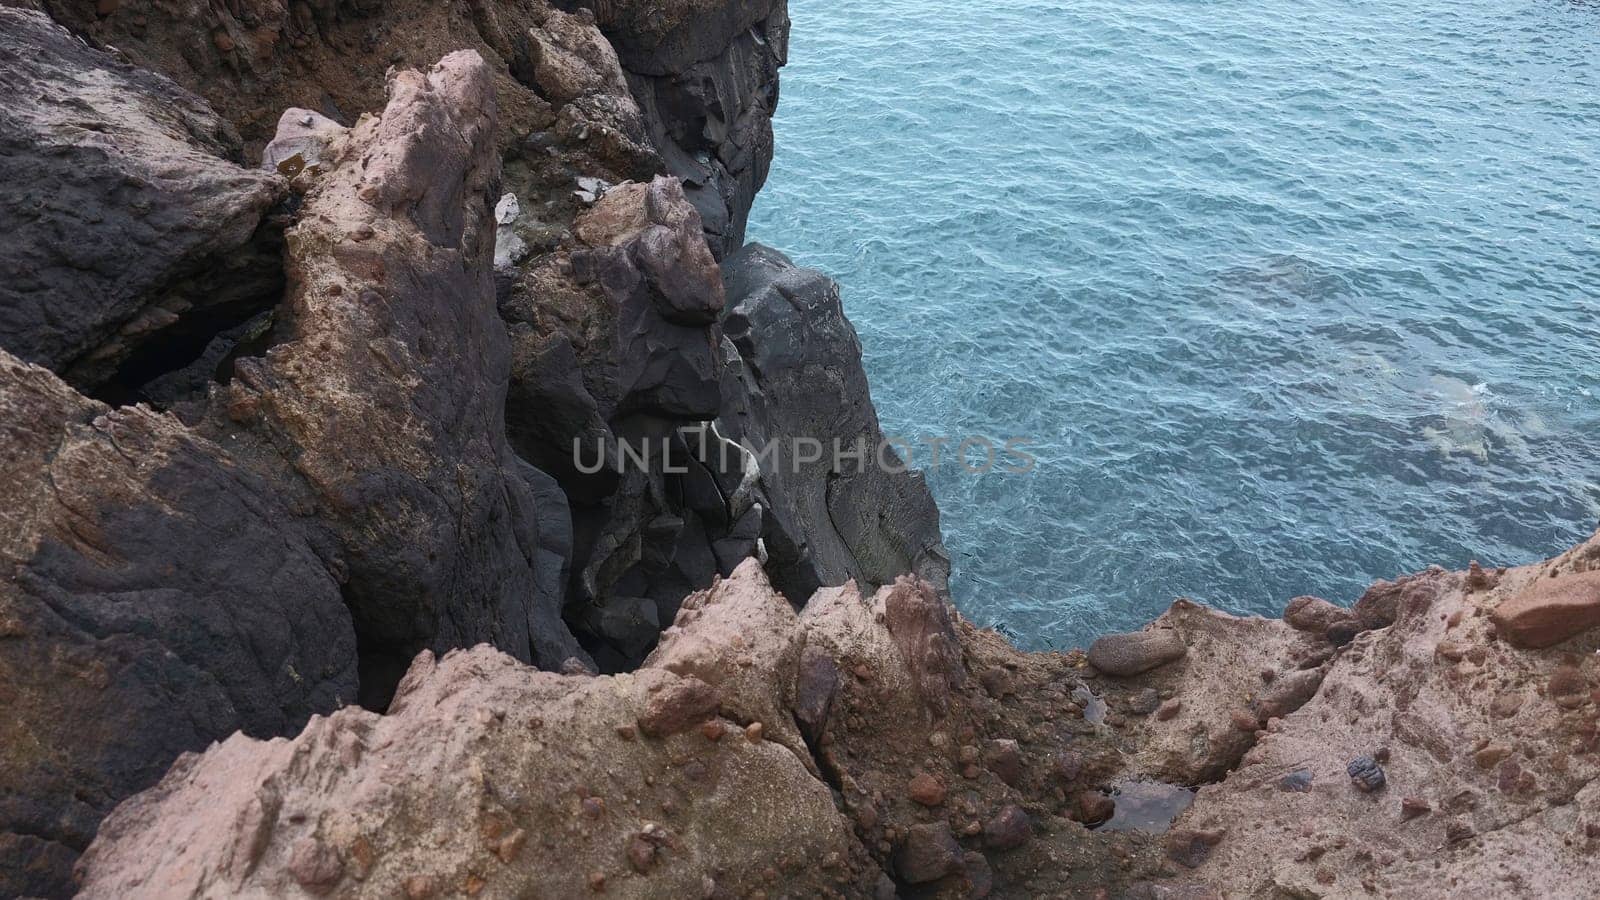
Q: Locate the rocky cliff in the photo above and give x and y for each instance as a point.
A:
(414, 485)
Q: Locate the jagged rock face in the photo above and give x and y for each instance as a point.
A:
(712, 771)
(345, 500)
(158, 597)
(131, 234)
(387, 396)
(795, 389)
(705, 72)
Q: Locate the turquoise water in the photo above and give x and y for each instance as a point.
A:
(1289, 296)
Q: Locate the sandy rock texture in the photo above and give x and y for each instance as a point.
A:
(1489, 752)
(131, 225)
(848, 750)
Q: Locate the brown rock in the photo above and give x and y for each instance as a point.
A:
(1169, 710)
(1551, 611)
(1008, 830)
(1123, 655)
(1003, 757)
(1244, 720)
(314, 865)
(927, 853)
(926, 789)
(1413, 807)
(677, 704)
(996, 680)
(1093, 807)
(1568, 688)
(1190, 846)
(1314, 615)
(1491, 756)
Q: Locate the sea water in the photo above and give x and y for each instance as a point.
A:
(1286, 297)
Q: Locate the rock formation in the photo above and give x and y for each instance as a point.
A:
(133, 234)
(366, 403)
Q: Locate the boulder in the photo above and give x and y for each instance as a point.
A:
(132, 234)
(159, 596)
(489, 778)
(1550, 611)
(1124, 655)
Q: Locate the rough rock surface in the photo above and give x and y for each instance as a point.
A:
(387, 394)
(1139, 651)
(131, 233)
(1490, 755)
(488, 777)
(705, 73)
(158, 597)
(176, 582)
(839, 503)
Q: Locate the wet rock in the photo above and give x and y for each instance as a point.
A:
(927, 853)
(1552, 610)
(1366, 774)
(1124, 655)
(1009, 829)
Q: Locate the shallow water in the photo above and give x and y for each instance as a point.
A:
(1288, 297)
(1144, 805)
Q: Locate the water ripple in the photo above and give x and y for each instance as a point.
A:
(1288, 298)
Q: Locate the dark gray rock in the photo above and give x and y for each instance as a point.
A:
(706, 78)
(132, 237)
(158, 597)
(1122, 655)
(795, 385)
(1367, 775)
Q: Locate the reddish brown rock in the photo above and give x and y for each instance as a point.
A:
(1314, 615)
(1191, 847)
(1552, 610)
(926, 789)
(1009, 829)
(677, 704)
(927, 853)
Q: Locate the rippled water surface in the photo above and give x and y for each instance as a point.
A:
(1288, 296)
